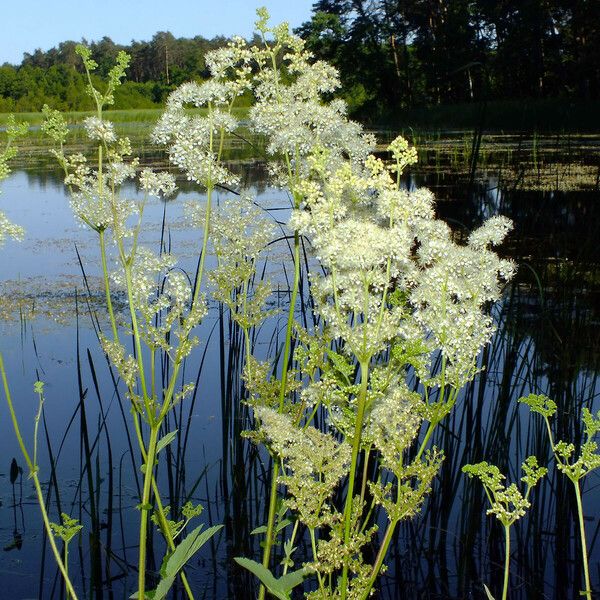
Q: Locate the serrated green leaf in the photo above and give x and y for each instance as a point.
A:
(188, 547)
(265, 576)
(166, 440)
(280, 588)
(259, 529)
(176, 560)
(488, 593)
(263, 528)
(291, 580)
(283, 525)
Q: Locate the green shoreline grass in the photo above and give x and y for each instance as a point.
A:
(129, 115)
(549, 115)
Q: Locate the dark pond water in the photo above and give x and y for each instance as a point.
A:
(548, 341)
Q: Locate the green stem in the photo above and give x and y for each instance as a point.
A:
(363, 486)
(68, 594)
(313, 544)
(428, 434)
(270, 525)
(282, 389)
(111, 313)
(360, 412)
(164, 527)
(138, 345)
(586, 571)
(144, 509)
(198, 282)
(292, 540)
(506, 560)
(385, 543)
(36, 482)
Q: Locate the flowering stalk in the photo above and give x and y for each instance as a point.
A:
(153, 315)
(356, 439)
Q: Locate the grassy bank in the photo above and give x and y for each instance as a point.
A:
(136, 124)
(132, 115)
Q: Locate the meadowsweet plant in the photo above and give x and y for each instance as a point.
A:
(163, 306)
(66, 531)
(574, 466)
(394, 293)
(507, 503)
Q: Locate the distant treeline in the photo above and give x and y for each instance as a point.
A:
(56, 77)
(401, 54)
(393, 55)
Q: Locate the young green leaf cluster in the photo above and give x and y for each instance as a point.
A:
(507, 503)
(574, 467)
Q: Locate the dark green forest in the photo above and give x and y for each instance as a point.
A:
(393, 55)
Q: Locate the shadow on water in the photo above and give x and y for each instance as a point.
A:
(547, 341)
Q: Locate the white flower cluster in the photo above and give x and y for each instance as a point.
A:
(240, 232)
(292, 115)
(314, 465)
(13, 130)
(161, 295)
(374, 238)
(157, 184)
(100, 130)
(9, 230)
(195, 141)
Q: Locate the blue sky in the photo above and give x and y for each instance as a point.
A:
(45, 23)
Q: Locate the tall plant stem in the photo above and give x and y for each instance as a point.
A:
(360, 413)
(145, 508)
(111, 312)
(200, 274)
(138, 345)
(385, 544)
(506, 561)
(586, 569)
(164, 527)
(36, 482)
(282, 389)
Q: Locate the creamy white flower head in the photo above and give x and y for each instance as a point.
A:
(98, 129)
(157, 184)
(359, 245)
(147, 269)
(491, 233)
(232, 57)
(393, 423)
(403, 154)
(118, 171)
(178, 288)
(9, 230)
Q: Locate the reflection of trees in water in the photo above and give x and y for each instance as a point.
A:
(252, 174)
(548, 341)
